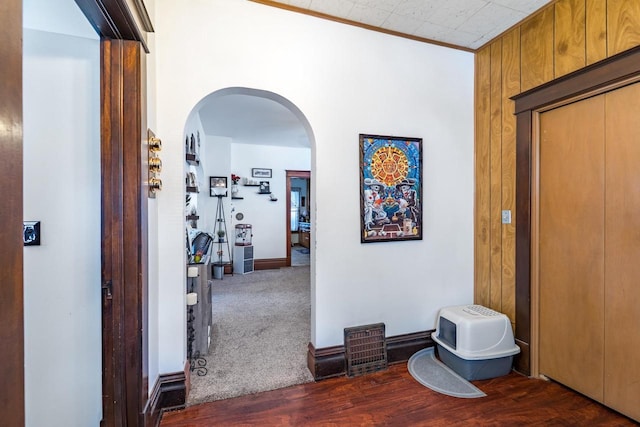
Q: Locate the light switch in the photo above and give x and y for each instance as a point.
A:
(506, 217)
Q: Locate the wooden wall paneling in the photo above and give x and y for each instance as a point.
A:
(569, 38)
(571, 251)
(622, 251)
(536, 38)
(495, 299)
(482, 177)
(623, 25)
(595, 30)
(510, 87)
(11, 211)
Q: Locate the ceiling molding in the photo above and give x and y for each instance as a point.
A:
(360, 24)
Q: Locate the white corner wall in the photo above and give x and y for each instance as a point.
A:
(346, 81)
(63, 347)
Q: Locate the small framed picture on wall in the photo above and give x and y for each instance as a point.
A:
(218, 186)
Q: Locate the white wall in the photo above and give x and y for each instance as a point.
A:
(268, 219)
(63, 348)
(346, 81)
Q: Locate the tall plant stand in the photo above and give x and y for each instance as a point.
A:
(221, 237)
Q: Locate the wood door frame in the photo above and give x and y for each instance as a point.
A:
(11, 216)
(292, 174)
(124, 206)
(606, 75)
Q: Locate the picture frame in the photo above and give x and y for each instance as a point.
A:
(218, 186)
(390, 188)
(264, 187)
(261, 173)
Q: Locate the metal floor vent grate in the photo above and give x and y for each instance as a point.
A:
(365, 349)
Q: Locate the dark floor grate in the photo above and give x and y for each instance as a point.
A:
(365, 348)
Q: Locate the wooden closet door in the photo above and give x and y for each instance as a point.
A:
(571, 257)
(622, 251)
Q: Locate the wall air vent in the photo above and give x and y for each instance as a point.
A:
(365, 349)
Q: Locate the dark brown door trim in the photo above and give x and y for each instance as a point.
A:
(124, 236)
(292, 174)
(11, 248)
(582, 83)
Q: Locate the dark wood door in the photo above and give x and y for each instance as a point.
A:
(11, 284)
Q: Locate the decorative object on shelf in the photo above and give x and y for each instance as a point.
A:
(390, 188)
(218, 186)
(273, 197)
(234, 186)
(239, 216)
(243, 233)
(192, 182)
(260, 173)
(221, 236)
(154, 145)
(264, 187)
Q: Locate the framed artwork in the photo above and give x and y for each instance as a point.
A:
(260, 173)
(218, 186)
(390, 188)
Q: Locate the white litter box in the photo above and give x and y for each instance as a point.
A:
(475, 341)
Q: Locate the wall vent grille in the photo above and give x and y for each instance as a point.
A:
(365, 349)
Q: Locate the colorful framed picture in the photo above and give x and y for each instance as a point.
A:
(390, 188)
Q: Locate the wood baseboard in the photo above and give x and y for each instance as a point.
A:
(269, 263)
(522, 360)
(169, 393)
(330, 361)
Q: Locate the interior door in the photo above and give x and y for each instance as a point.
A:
(622, 251)
(571, 245)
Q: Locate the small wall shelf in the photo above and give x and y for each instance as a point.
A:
(251, 185)
(237, 198)
(192, 159)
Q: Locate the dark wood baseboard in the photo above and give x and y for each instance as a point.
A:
(269, 263)
(401, 347)
(326, 362)
(330, 361)
(522, 360)
(169, 393)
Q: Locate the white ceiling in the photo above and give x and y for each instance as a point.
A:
(465, 23)
(250, 119)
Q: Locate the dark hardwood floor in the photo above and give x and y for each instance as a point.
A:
(394, 398)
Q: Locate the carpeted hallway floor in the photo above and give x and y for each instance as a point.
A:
(259, 337)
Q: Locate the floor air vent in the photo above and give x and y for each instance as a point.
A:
(365, 348)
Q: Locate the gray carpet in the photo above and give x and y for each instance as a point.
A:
(432, 373)
(259, 337)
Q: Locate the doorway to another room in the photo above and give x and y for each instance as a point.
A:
(298, 218)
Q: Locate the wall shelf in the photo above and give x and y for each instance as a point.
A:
(192, 189)
(251, 185)
(192, 159)
(237, 198)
